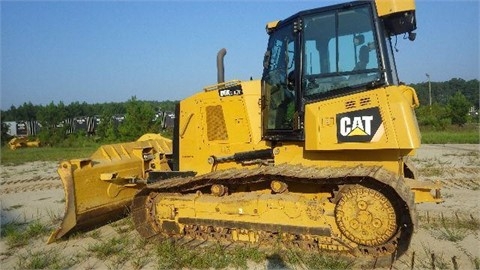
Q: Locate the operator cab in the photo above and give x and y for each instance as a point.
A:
(324, 53)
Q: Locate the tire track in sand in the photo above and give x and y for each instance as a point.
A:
(35, 183)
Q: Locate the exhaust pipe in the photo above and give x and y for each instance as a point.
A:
(220, 67)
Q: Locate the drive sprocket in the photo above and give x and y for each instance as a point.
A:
(365, 216)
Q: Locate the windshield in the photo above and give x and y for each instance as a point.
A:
(340, 52)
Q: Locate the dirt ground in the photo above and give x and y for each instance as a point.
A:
(444, 238)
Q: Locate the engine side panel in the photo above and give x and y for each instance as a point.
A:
(378, 119)
(220, 121)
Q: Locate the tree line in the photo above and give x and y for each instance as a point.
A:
(139, 119)
(453, 102)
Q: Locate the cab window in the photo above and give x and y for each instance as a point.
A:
(339, 51)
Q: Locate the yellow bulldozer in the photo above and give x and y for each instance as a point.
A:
(22, 141)
(314, 155)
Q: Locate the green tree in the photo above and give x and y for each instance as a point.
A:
(473, 92)
(27, 112)
(4, 128)
(442, 91)
(138, 120)
(10, 114)
(50, 117)
(75, 109)
(459, 106)
(435, 116)
(107, 130)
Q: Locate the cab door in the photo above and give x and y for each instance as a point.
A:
(279, 86)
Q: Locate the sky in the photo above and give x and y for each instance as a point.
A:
(110, 51)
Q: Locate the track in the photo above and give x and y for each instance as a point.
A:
(32, 184)
(453, 177)
(35, 176)
(357, 181)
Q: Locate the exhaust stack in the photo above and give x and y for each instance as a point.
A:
(220, 66)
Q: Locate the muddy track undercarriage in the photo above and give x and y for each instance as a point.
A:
(365, 212)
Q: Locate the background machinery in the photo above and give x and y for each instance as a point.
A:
(315, 154)
(20, 142)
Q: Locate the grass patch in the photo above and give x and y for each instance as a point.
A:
(322, 261)
(433, 260)
(19, 234)
(118, 251)
(314, 260)
(453, 229)
(124, 225)
(452, 234)
(110, 247)
(170, 255)
(52, 259)
(24, 155)
(468, 134)
(9, 228)
(456, 221)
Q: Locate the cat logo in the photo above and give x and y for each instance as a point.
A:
(360, 126)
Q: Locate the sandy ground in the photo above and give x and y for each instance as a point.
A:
(33, 192)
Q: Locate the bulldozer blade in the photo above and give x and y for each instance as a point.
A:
(88, 205)
(100, 189)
